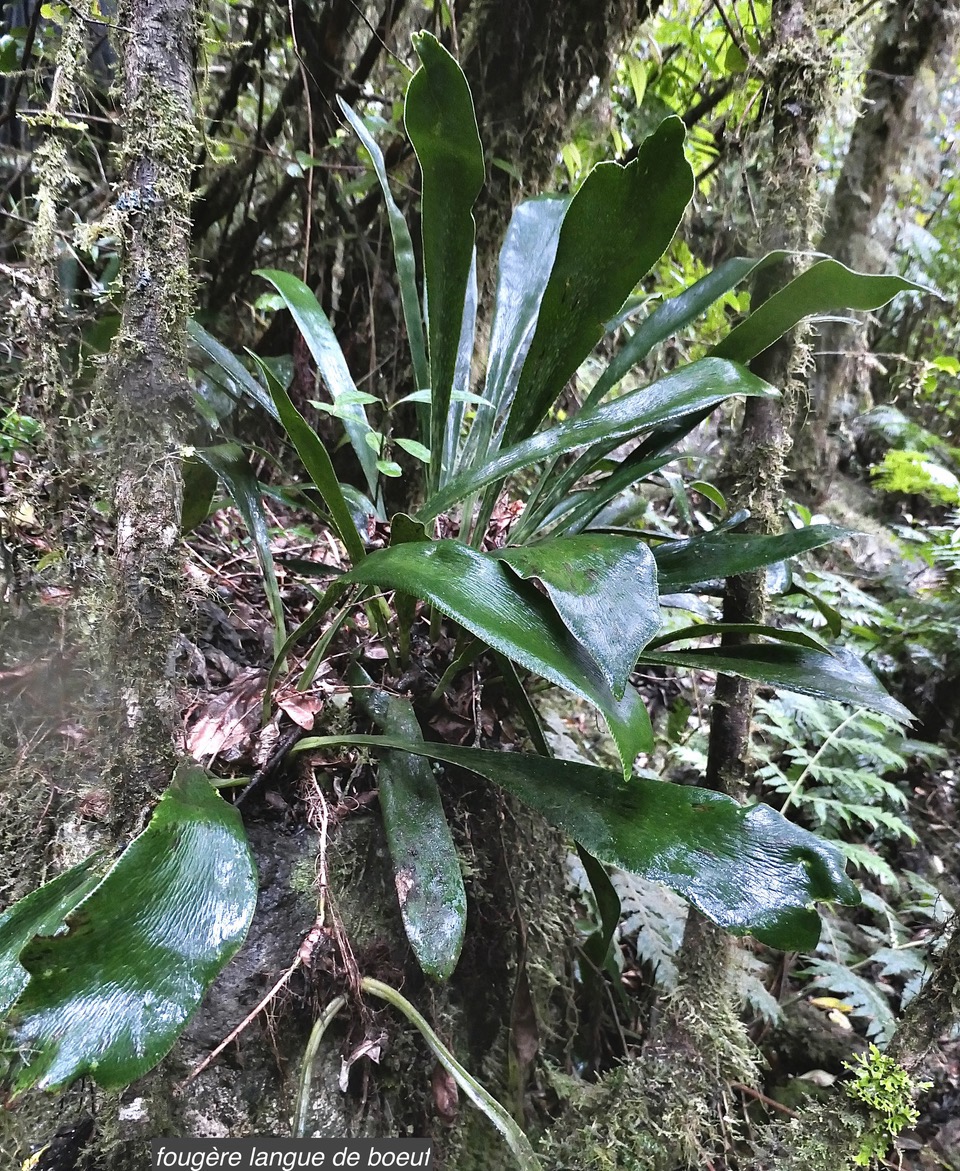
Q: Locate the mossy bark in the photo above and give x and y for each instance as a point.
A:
(144, 393)
(529, 63)
(913, 56)
(700, 1023)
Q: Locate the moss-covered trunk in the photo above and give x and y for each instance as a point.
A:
(699, 1044)
(529, 63)
(144, 393)
(913, 56)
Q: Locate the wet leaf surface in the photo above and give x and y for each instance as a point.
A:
(746, 867)
(110, 996)
(484, 596)
(433, 902)
(605, 590)
(838, 675)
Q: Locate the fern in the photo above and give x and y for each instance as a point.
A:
(895, 962)
(750, 974)
(830, 766)
(870, 862)
(865, 999)
(925, 900)
(911, 473)
(656, 917)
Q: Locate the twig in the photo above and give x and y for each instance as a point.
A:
(247, 1020)
(262, 775)
(744, 1089)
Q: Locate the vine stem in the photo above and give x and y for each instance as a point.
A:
(516, 1140)
(302, 1112)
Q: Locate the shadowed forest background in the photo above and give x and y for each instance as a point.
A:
(226, 477)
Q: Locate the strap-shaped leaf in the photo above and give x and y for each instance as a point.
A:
(485, 597)
(676, 314)
(462, 375)
(747, 868)
(824, 287)
(199, 487)
(323, 345)
(756, 629)
(720, 554)
(316, 460)
(426, 868)
(39, 913)
(618, 225)
(526, 260)
(629, 472)
(229, 461)
(403, 254)
(441, 124)
(837, 675)
(110, 996)
(605, 590)
(238, 380)
(698, 387)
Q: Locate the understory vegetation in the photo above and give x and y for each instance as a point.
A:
(480, 531)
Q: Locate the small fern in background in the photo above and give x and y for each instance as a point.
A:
(879, 963)
(837, 772)
(832, 768)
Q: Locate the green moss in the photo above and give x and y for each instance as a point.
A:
(647, 1115)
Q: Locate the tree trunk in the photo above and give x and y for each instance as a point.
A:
(702, 1017)
(529, 63)
(916, 38)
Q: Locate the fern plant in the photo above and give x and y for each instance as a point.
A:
(835, 768)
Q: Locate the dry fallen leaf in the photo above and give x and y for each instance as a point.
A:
(302, 709)
(231, 719)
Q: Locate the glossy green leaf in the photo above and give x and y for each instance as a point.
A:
(824, 287)
(724, 554)
(747, 868)
(229, 461)
(403, 254)
(839, 675)
(526, 260)
(441, 123)
(479, 592)
(577, 510)
(433, 902)
(830, 614)
(617, 226)
(605, 590)
(463, 373)
(316, 461)
(238, 380)
(110, 996)
(710, 492)
(323, 345)
(41, 912)
(609, 908)
(672, 316)
(412, 447)
(697, 387)
(757, 629)
(327, 600)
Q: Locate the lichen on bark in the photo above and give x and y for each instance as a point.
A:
(144, 393)
(797, 73)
